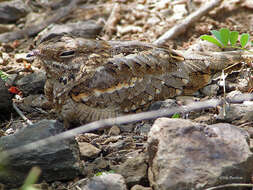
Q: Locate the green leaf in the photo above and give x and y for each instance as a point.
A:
(31, 188)
(176, 115)
(104, 172)
(244, 39)
(233, 37)
(31, 178)
(224, 35)
(216, 34)
(211, 39)
(3, 75)
(99, 173)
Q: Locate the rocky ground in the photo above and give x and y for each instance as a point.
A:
(196, 150)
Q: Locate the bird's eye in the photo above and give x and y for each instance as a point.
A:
(67, 54)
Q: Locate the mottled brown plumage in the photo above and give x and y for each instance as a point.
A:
(88, 80)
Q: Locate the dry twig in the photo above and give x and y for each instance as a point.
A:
(187, 22)
(110, 25)
(21, 114)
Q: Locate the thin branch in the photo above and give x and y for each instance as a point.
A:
(21, 114)
(187, 22)
(245, 124)
(223, 78)
(110, 25)
(121, 120)
(231, 185)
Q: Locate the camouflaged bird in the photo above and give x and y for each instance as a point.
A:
(88, 80)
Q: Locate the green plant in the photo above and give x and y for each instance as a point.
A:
(225, 38)
(3, 75)
(176, 115)
(31, 179)
(106, 172)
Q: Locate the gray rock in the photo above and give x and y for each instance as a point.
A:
(230, 86)
(134, 170)
(5, 101)
(32, 83)
(6, 28)
(5, 58)
(58, 161)
(126, 127)
(234, 112)
(11, 11)
(185, 155)
(243, 83)
(140, 187)
(233, 94)
(31, 102)
(99, 164)
(87, 150)
(248, 117)
(114, 131)
(86, 29)
(210, 90)
(106, 181)
(184, 100)
(143, 128)
(169, 103)
(115, 144)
